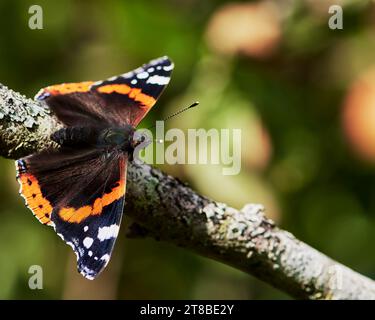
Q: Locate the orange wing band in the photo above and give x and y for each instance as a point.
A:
(66, 88)
(80, 214)
(77, 215)
(133, 93)
(31, 192)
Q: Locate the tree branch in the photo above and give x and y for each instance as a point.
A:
(166, 209)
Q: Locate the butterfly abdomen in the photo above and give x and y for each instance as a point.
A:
(76, 136)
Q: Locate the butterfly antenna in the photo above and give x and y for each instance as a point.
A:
(181, 111)
(177, 113)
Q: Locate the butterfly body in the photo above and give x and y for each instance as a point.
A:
(109, 138)
(79, 188)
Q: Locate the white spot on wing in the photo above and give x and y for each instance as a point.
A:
(134, 81)
(108, 232)
(88, 277)
(105, 258)
(88, 273)
(87, 242)
(142, 75)
(161, 81)
(90, 253)
(151, 69)
(85, 228)
(168, 68)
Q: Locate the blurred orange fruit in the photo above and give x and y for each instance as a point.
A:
(359, 115)
(252, 29)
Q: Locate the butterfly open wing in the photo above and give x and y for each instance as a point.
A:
(81, 192)
(82, 196)
(123, 99)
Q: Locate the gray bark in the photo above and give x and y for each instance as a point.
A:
(164, 208)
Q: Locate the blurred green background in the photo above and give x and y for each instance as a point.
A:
(303, 95)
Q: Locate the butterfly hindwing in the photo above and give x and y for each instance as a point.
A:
(123, 99)
(81, 194)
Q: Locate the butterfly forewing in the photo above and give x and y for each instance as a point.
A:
(123, 99)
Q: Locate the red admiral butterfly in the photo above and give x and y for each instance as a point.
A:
(79, 189)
